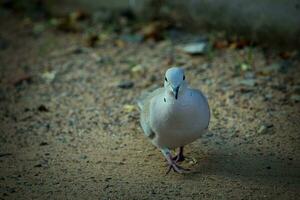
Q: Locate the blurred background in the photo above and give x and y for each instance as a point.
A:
(71, 72)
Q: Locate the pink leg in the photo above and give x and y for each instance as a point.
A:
(179, 157)
(172, 162)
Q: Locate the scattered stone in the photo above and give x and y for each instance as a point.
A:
(296, 89)
(192, 161)
(38, 165)
(129, 108)
(100, 16)
(280, 87)
(107, 179)
(208, 81)
(285, 66)
(132, 38)
(264, 129)
(269, 69)
(91, 40)
(43, 108)
(49, 76)
(248, 82)
(43, 144)
(70, 50)
(245, 66)
(209, 135)
(295, 98)
(5, 154)
(18, 80)
(98, 59)
(126, 84)
(268, 97)
(195, 48)
(138, 69)
(83, 157)
(38, 28)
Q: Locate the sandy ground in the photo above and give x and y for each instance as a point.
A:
(69, 131)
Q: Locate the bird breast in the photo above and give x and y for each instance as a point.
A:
(178, 122)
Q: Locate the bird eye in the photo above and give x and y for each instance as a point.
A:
(183, 77)
(166, 79)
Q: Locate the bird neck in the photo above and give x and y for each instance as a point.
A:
(169, 96)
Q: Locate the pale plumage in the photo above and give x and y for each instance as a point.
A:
(174, 115)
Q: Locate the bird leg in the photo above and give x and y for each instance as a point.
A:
(172, 163)
(179, 157)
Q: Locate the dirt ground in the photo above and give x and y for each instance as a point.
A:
(70, 126)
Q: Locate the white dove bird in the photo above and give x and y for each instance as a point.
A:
(174, 116)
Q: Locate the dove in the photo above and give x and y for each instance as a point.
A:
(174, 116)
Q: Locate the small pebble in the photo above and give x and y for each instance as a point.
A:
(126, 84)
(43, 143)
(264, 129)
(43, 108)
(248, 82)
(83, 157)
(195, 48)
(295, 98)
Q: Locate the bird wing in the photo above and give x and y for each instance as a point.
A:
(203, 98)
(144, 105)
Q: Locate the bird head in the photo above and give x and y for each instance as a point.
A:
(174, 80)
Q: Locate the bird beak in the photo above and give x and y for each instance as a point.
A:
(175, 91)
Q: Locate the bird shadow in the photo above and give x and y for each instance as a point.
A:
(246, 165)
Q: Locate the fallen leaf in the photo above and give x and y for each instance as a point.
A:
(137, 69)
(220, 44)
(91, 40)
(49, 76)
(154, 30)
(19, 79)
(245, 67)
(129, 108)
(66, 24)
(120, 43)
(287, 54)
(78, 15)
(239, 43)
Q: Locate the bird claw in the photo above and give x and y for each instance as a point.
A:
(178, 158)
(172, 161)
(176, 168)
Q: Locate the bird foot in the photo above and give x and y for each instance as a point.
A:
(178, 158)
(172, 162)
(176, 168)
